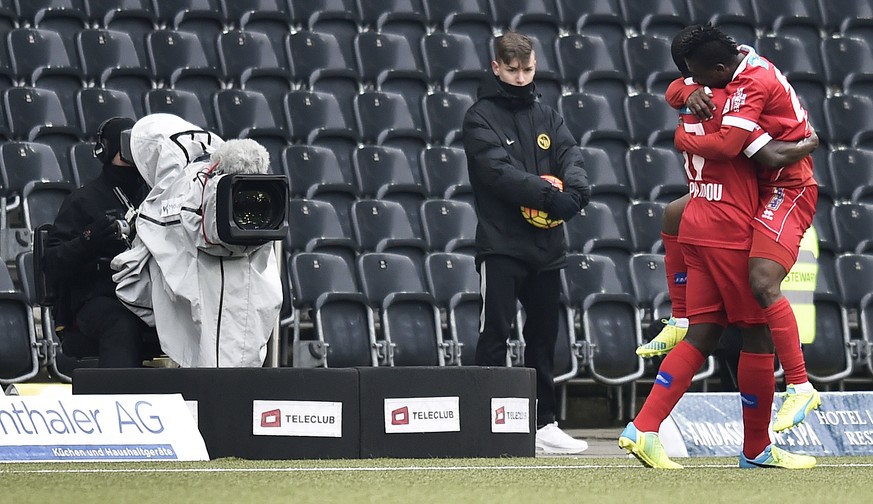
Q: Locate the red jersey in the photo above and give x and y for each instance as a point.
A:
(761, 95)
(724, 192)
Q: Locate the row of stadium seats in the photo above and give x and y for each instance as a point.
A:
(764, 14)
(642, 62)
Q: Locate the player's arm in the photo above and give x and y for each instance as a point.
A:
(776, 154)
(684, 92)
(726, 144)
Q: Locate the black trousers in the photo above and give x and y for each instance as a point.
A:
(503, 281)
(116, 333)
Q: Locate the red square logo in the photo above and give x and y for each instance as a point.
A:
(400, 416)
(272, 418)
(500, 416)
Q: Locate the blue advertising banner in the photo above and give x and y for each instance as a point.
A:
(711, 425)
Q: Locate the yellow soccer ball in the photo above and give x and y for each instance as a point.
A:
(540, 218)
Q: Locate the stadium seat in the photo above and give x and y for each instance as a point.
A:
(102, 10)
(603, 176)
(852, 224)
(236, 10)
(790, 55)
(384, 226)
(596, 230)
(409, 316)
(83, 164)
(437, 11)
(444, 115)
(506, 12)
(310, 112)
(454, 283)
(844, 56)
(569, 11)
(465, 81)
(181, 103)
(645, 55)
(583, 112)
(644, 219)
(30, 111)
(635, 12)
(41, 201)
(649, 117)
(369, 11)
(342, 318)
(173, 55)
(549, 87)
(477, 26)
(412, 86)
(378, 169)
(739, 27)
(612, 85)
(608, 28)
(443, 52)
(31, 49)
(314, 226)
(378, 114)
(94, 106)
(207, 24)
(309, 51)
(664, 26)
(105, 52)
(703, 12)
(238, 113)
(167, 12)
(847, 117)
(444, 171)
(822, 223)
(834, 12)
(852, 173)
(343, 25)
(311, 168)
(65, 22)
(26, 10)
(380, 52)
(605, 317)
(865, 315)
(412, 26)
(854, 278)
(60, 140)
(244, 52)
(656, 174)
(23, 162)
(649, 280)
(768, 13)
(577, 54)
(448, 225)
(615, 144)
(19, 360)
(828, 359)
(812, 91)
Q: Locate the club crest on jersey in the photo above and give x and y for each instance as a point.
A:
(543, 141)
(775, 202)
(738, 99)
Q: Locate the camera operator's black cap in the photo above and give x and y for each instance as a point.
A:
(109, 137)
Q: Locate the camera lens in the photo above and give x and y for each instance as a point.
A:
(254, 206)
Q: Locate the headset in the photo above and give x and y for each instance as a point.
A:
(101, 147)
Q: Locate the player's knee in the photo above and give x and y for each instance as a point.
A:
(766, 288)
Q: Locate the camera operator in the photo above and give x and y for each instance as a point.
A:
(214, 298)
(86, 235)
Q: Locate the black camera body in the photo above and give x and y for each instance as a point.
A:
(252, 209)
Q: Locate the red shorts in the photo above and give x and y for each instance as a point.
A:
(717, 291)
(783, 216)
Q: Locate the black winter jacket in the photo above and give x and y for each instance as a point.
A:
(509, 143)
(78, 272)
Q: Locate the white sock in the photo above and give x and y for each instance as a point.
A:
(681, 322)
(803, 388)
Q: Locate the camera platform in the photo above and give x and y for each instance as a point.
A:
(289, 413)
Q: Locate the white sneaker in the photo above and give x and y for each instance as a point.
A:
(551, 439)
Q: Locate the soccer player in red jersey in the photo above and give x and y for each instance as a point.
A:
(759, 95)
(723, 192)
